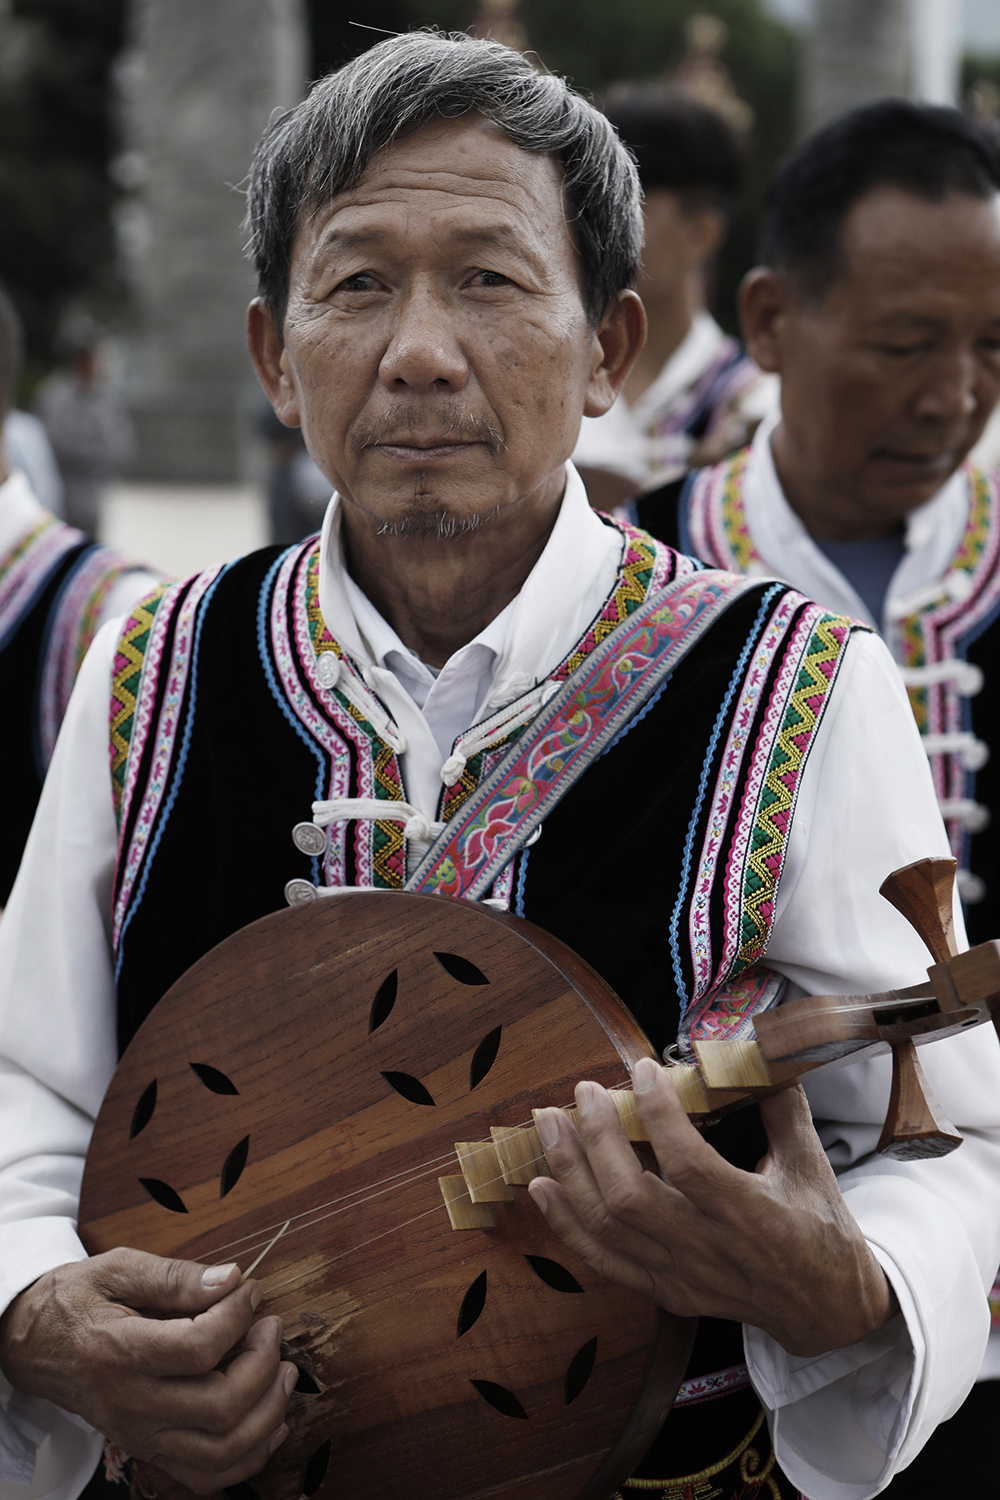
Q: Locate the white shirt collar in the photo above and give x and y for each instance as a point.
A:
(561, 596)
(20, 512)
(933, 533)
(685, 366)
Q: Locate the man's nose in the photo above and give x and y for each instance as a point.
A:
(424, 351)
(949, 395)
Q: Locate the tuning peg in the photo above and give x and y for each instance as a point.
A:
(915, 1125)
(923, 892)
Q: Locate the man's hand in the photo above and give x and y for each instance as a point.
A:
(776, 1248)
(131, 1341)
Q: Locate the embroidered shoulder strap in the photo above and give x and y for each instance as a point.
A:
(595, 703)
(713, 522)
(24, 570)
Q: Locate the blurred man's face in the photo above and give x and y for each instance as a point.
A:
(437, 352)
(889, 377)
(679, 240)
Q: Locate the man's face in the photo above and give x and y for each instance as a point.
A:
(437, 353)
(888, 378)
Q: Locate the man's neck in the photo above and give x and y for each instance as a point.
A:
(438, 593)
(670, 320)
(824, 510)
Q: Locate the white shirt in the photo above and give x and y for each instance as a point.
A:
(854, 1412)
(27, 447)
(627, 441)
(933, 532)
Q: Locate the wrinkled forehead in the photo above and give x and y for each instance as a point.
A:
(454, 177)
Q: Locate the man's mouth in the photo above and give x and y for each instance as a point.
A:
(424, 450)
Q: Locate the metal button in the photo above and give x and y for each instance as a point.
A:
(299, 891)
(309, 838)
(328, 669)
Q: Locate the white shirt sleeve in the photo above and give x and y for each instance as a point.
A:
(57, 1054)
(863, 1412)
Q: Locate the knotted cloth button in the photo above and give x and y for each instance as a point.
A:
(452, 769)
(309, 838)
(328, 669)
(299, 891)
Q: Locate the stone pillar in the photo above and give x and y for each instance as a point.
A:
(199, 85)
(855, 52)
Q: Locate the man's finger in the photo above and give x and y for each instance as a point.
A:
(156, 1283)
(186, 1346)
(688, 1163)
(207, 1463)
(219, 1401)
(606, 1261)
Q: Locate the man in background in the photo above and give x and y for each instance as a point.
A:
(56, 589)
(693, 395)
(86, 423)
(878, 305)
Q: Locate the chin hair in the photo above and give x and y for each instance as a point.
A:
(439, 524)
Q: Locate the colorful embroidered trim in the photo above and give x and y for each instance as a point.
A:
(820, 661)
(25, 569)
(74, 616)
(173, 609)
(708, 1387)
(570, 732)
(713, 517)
(129, 659)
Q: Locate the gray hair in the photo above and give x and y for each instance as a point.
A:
(312, 153)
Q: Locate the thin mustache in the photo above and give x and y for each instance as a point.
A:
(397, 427)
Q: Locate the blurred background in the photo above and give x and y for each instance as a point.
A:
(126, 128)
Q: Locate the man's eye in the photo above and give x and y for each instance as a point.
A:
(490, 278)
(362, 281)
(903, 349)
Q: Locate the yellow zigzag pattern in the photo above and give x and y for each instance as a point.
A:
(780, 783)
(125, 685)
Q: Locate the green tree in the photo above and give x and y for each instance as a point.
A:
(56, 140)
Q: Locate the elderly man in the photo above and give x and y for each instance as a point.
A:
(879, 306)
(445, 242)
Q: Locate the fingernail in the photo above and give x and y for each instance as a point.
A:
(547, 1125)
(214, 1276)
(584, 1097)
(540, 1197)
(644, 1075)
(255, 1295)
(291, 1377)
(278, 1438)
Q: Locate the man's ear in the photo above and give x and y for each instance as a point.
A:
(270, 360)
(765, 299)
(617, 342)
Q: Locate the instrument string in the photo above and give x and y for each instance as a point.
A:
(353, 1249)
(356, 1199)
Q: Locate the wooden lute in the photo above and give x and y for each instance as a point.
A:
(332, 1092)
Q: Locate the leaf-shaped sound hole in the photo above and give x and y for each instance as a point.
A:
(385, 999)
(242, 1492)
(581, 1367)
(409, 1087)
(163, 1194)
(461, 968)
(305, 1385)
(484, 1057)
(233, 1169)
(501, 1399)
(213, 1079)
(316, 1469)
(553, 1274)
(143, 1112)
(472, 1304)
